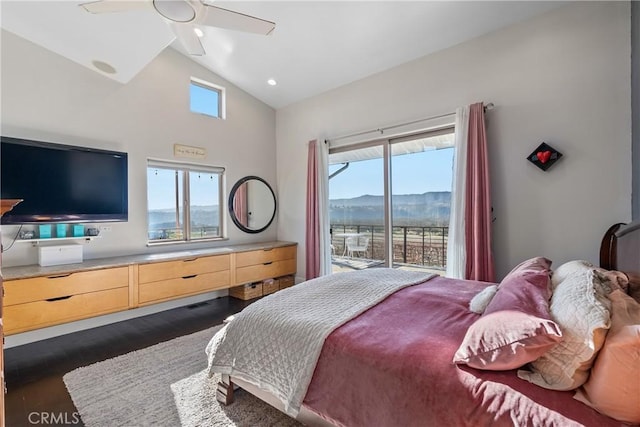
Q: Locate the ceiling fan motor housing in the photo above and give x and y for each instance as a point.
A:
(178, 10)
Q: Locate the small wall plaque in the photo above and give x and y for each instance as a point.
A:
(544, 156)
(180, 150)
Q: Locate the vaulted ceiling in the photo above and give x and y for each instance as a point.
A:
(315, 47)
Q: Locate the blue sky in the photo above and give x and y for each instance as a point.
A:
(414, 173)
(161, 188)
(203, 100)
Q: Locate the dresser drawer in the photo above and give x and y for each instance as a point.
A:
(187, 267)
(38, 314)
(259, 272)
(55, 286)
(262, 256)
(183, 286)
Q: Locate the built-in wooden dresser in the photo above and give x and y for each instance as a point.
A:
(49, 300)
(252, 266)
(262, 272)
(163, 281)
(36, 297)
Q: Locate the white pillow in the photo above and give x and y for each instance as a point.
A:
(482, 299)
(611, 278)
(580, 306)
(567, 269)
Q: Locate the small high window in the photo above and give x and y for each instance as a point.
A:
(206, 98)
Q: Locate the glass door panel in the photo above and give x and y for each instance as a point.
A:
(356, 208)
(421, 183)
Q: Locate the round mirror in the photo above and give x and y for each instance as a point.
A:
(252, 204)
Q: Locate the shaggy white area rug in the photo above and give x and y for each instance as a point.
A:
(197, 406)
(137, 389)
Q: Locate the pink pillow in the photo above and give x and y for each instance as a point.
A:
(527, 288)
(516, 327)
(613, 388)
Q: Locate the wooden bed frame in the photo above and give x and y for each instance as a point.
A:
(619, 250)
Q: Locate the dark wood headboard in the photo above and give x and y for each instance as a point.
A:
(620, 249)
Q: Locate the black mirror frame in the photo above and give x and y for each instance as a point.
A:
(233, 214)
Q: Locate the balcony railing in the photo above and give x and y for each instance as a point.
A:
(201, 232)
(424, 246)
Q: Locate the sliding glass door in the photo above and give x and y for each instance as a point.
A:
(404, 223)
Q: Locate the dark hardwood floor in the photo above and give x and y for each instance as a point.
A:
(36, 394)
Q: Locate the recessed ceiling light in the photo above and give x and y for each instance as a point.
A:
(103, 66)
(272, 82)
(198, 32)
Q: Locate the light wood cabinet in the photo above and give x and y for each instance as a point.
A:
(38, 314)
(47, 296)
(253, 266)
(62, 285)
(181, 268)
(37, 302)
(174, 279)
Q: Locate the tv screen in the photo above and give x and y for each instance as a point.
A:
(62, 183)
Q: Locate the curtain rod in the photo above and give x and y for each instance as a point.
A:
(487, 107)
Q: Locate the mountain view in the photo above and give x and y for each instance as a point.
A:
(201, 216)
(427, 209)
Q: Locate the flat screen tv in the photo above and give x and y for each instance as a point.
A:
(62, 183)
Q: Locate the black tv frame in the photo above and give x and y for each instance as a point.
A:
(18, 216)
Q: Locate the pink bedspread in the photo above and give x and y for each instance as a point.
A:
(392, 366)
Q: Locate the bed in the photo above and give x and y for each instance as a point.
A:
(388, 360)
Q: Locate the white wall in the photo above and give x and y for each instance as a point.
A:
(47, 97)
(635, 106)
(562, 78)
(259, 202)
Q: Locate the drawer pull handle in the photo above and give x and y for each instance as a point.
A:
(190, 277)
(267, 249)
(58, 299)
(190, 259)
(267, 263)
(59, 276)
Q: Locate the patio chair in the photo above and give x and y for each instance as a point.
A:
(357, 244)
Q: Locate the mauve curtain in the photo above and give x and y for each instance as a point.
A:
(469, 254)
(317, 245)
(479, 255)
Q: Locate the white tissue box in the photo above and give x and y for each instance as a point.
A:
(56, 255)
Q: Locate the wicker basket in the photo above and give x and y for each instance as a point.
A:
(246, 292)
(285, 282)
(270, 286)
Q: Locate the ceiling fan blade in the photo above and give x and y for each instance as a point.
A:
(188, 38)
(223, 18)
(109, 6)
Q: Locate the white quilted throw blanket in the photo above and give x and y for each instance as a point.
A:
(275, 342)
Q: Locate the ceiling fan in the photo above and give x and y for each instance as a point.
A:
(184, 17)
